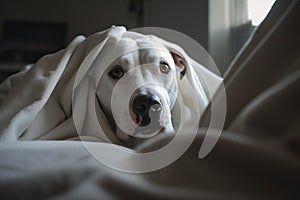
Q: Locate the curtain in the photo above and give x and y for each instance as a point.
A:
(229, 28)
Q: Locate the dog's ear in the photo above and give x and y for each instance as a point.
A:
(180, 63)
(178, 54)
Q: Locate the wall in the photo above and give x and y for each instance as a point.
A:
(189, 17)
(89, 16)
(83, 17)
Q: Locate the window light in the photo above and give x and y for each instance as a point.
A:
(258, 10)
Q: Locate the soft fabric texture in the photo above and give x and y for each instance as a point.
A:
(256, 158)
(238, 168)
(37, 102)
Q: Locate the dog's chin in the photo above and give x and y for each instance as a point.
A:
(146, 133)
(131, 140)
(139, 132)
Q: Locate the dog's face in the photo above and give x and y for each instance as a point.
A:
(147, 77)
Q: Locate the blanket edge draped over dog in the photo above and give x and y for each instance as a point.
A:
(36, 102)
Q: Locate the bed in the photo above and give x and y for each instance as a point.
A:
(256, 156)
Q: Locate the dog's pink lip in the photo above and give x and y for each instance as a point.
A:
(138, 122)
(144, 132)
(134, 118)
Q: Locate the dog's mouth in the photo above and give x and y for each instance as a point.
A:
(147, 114)
(150, 123)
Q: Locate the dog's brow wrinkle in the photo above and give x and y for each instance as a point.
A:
(124, 62)
(142, 56)
(151, 57)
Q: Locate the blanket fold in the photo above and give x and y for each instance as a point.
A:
(36, 103)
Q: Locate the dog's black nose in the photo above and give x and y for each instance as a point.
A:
(143, 105)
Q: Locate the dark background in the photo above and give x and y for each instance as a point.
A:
(32, 28)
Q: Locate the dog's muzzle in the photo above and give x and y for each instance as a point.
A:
(146, 107)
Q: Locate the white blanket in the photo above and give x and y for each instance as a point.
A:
(239, 167)
(258, 161)
(37, 102)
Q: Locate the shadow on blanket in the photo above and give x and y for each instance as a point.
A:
(257, 157)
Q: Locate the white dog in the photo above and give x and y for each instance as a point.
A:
(146, 86)
(149, 76)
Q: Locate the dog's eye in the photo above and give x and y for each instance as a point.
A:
(117, 72)
(164, 67)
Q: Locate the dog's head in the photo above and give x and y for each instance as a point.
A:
(138, 90)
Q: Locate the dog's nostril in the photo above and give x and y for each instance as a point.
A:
(143, 105)
(156, 108)
(141, 108)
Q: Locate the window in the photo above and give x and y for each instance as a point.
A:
(258, 10)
